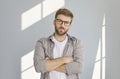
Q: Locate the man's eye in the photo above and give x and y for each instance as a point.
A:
(59, 21)
(66, 22)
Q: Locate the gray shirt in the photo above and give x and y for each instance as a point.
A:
(44, 48)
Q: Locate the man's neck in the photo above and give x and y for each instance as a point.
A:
(60, 38)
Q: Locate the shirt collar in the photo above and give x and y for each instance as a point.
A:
(51, 37)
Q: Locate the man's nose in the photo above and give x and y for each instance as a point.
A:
(62, 24)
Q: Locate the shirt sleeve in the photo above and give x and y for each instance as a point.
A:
(39, 58)
(76, 66)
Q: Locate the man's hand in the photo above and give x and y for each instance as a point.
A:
(61, 69)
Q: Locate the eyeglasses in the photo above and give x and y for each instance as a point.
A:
(66, 23)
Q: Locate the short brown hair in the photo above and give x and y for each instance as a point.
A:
(65, 12)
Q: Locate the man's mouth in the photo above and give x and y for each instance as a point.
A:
(61, 28)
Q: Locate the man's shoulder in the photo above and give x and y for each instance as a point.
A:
(42, 39)
(76, 42)
(45, 40)
(75, 39)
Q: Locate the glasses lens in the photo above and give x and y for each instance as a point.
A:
(66, 23)
(59, 21)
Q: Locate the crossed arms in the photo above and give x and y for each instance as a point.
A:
(58, 64)
(68, 65)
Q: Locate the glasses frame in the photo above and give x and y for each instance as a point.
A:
(59, 21)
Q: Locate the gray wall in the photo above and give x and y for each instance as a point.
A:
(87, 26)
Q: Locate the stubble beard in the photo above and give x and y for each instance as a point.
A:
(60, 32)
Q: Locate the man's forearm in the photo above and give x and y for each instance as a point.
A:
(52, 64)
(61, 68)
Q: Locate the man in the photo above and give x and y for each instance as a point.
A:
(60, 55)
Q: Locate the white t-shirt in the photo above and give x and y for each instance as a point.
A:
(58, 52)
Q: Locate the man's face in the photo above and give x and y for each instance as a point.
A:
(62, 24)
